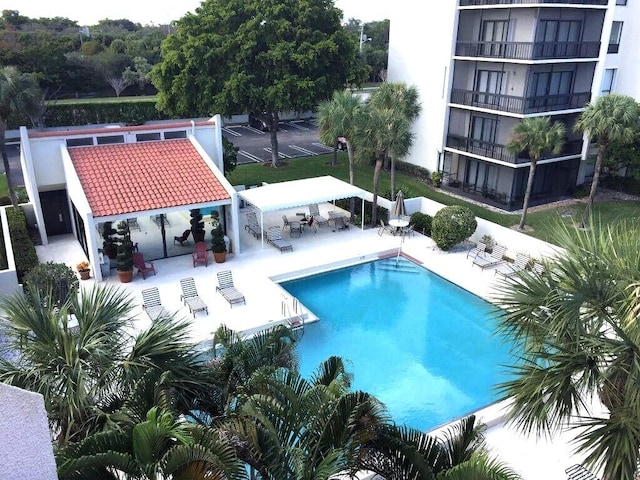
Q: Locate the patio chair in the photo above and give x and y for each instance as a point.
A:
(537, 268)
(274, 237)
(384, 228)
(339, 223)
(144, 267)
(227, 289)
(314, 211)
(295, 228)
(151, 303)
(191, 298)
(182, 239)
(133, 224)
(496, 257)
(200, 256)
(578, 472)
(286, 223)
(479, 249)
(519, 264)
(407, 232)
(252, 225)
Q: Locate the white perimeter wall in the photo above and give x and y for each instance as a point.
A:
(421, 41)
(25, 450)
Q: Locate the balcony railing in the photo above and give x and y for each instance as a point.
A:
(497, 151)
(528, 50)
(466, 3)
(522, 105)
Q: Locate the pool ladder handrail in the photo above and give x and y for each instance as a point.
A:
(295, 320)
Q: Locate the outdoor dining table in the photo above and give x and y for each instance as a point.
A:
(399, 224)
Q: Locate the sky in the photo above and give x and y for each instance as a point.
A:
(160, 11)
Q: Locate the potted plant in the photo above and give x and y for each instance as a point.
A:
(124, 258)
(218, 245)
(197, 225)
(109, 246)
(84, 270)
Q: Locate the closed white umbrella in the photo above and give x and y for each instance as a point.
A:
(398, 206)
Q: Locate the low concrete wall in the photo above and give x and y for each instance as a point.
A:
(8, 278)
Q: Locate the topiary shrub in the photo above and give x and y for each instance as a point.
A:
(55, 279)
(24, 251)
(197, 225)
(421, 222)
(452, 225)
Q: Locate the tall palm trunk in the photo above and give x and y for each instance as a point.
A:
(275, 159)
(5, 162)
(602, 146)
(527, 193)
(393, 178)
(376, 179)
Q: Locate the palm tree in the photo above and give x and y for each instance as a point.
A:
(575, 327)
(380, 130)
(290, 427)
(89, 373)
(613, 117)
(535, 135)
(337, 118)
(403, 453)
(157, 447)
(20, 96)
(404, 99)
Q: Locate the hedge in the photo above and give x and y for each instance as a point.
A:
(75, 114)
(23, 249)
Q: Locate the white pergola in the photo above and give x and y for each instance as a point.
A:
(297, 193)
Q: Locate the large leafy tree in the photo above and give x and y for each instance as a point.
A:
(338, 118)
(260, 56)
(575, 327)
(613, 117)
(402, 99)
(536, 136)
(20, 96)
(89, 374)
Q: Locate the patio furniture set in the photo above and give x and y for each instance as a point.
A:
(397, 226)
(497, 258)
(152, 305)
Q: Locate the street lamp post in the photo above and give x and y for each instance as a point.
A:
(363, 37)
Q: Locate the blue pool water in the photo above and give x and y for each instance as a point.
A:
(423, 346)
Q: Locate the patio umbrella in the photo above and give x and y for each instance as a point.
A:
(398, 206)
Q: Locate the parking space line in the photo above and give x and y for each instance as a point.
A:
(251, 129)
(299, 127)
(302, 150)
(280, 154)
(323, 146)
(231, 132)
(250, 156)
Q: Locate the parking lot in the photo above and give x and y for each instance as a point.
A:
(296, 138)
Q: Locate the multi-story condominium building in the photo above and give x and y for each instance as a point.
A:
(481, 66)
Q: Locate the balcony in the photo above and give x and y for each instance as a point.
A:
(521, 105)
(466, 3)
(497, 151)
(528, 50)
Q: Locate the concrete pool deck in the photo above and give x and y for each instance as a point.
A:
(253, 273)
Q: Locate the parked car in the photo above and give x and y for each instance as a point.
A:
(258, 123)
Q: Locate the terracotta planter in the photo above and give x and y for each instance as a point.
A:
(85, 274)
(220, 257)
(125, 277)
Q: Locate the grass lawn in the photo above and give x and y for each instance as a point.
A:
(73, 101)
(4, 190)
(543, 222)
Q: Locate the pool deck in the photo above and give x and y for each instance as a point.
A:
(254, 270)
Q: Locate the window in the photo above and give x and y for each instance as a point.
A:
(489, 84)
(557, 38)
(614, 39)
(621, 2)
(110, 139)
(147, 137)
(608, 79)
(79, 142)
(175, 134)
(493, 37)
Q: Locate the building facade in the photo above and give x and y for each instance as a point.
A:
(481, 66)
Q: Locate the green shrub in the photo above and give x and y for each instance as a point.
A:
(412, 170)
(421, 222)
(23, 248)
(132, 113)
(452, 225)
(56, 279)
(436, 179)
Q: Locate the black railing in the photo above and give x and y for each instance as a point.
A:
(498, 151)
(528, 50)
(515, 104)
(466, 3)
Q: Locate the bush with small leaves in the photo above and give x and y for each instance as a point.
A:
(452, 225)
(55, 279)
(421, 223)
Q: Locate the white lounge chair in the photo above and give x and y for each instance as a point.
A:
(495, 258)
(252, 225)
(227, 289)
(478, 249)
(274, 237)
(151, 303)
(314, 211)
(191, 298)
(519, 264)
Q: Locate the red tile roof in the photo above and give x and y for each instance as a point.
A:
(135, 177)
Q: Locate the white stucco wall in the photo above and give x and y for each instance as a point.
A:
(25, 450)
(420, 52)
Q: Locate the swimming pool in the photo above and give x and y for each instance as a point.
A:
(422, 345)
